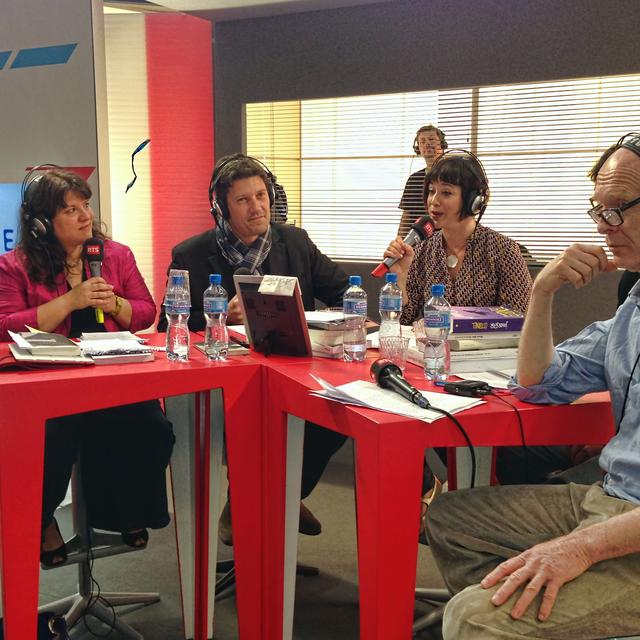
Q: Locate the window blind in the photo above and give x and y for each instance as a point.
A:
(344, 161)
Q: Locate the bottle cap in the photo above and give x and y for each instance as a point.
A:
(437, 290)
(355, 280)
(215, 278)
(391, 277)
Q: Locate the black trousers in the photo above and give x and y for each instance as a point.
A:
(319, 445)
(124, 453)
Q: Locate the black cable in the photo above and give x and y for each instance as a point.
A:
(626, 393)
(97, 597)
(521, 427)
(472, 453)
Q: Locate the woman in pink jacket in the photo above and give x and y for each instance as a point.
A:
(45, 283)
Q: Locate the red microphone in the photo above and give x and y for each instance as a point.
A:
(421, 229)
(94, 254)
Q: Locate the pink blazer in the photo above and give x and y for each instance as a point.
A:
(20, 298)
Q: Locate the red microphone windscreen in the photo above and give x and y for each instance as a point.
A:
(380, 366)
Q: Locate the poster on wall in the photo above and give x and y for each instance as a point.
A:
(47, 97)
(9, 205)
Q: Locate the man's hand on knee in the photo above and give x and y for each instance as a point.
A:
(545, 567)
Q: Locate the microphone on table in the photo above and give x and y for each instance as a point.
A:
(389, 376)
(94, 254)
(421, 229)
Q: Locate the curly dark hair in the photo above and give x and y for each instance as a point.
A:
(43, 256)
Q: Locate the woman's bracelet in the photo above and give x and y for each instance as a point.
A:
(118, 308)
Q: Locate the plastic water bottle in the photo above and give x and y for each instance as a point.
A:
(437, 323)
(354, 304)
(214, 303)
(177, 308)
(390, 306)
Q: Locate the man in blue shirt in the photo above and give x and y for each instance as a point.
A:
(561, 561)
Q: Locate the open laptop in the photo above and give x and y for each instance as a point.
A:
(274, 323)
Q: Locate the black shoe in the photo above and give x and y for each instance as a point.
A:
(136, 539)
(57, 556)
(309, 525)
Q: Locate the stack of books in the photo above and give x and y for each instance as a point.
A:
(482, 328)
(41, 347)
(481, 339)
(326, 329)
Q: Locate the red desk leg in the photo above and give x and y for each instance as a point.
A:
(21, 466)
(388, 481)
(244, 439)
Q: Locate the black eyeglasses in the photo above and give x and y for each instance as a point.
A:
(612, 217)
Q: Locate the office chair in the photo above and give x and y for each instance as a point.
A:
(85, 545)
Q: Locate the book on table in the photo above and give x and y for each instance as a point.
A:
(40, 343)
(478, 320)
(118, 347)
(464, 361)
(488, 340)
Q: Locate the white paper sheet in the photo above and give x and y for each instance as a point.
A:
(367, 394)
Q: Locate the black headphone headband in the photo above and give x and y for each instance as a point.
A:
(630, 141)
(429, 127)
(474, 202)
(219, 206)
(39, 224)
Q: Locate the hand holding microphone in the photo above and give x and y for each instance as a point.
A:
(420, 230)
(93, 253)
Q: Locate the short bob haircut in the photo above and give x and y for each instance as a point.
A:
(463, 170)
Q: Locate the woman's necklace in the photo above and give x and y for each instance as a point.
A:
(452, 256)
(452, 261)
(73, 267)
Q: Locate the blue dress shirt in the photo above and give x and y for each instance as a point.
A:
(601, 358)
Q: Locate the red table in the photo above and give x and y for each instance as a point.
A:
(264, 402)
(389, 451)
(28, 398)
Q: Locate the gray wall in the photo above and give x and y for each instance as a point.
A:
(409, 46)
(431, 44)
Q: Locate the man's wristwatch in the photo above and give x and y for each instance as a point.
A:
(118, 308)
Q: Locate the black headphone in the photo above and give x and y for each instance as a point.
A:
(38, 223)
(630, 141)
(219, 206)
(429, 127)
(475, 202)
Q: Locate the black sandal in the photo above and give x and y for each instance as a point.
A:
(57, 556)
(136, 539)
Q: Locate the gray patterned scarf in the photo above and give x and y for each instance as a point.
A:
(237, 253)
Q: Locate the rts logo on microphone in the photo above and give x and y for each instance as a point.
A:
(93, 249)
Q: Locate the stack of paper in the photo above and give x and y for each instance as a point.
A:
(117, 347)
(367, 394)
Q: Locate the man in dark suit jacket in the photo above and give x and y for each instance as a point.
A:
(242, 193)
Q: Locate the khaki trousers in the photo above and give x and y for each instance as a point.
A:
(472, 531)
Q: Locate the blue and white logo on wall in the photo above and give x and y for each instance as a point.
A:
(9, 210)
